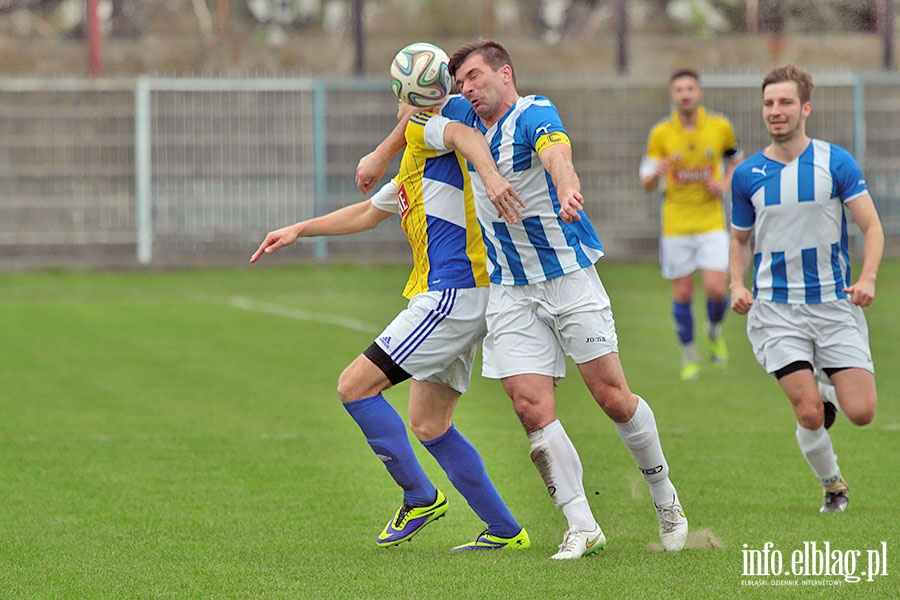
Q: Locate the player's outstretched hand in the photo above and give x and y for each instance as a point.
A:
(862, 293)
(570, 205)
(504, 198)
(275, 240)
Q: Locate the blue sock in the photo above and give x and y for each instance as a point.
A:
(716, 310)
(684, 321)
(386, 434)
(465, 470)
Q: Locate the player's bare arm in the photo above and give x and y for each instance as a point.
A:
(862, 208)
(472, 145)
(373, 165)
(738, 265)
(357, 217)
(557, 160)
(718, 187)
(653, 170)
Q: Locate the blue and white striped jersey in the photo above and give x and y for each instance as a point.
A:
(540, 246)
(796, 210)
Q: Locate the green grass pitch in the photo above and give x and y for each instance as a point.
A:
(178, 435)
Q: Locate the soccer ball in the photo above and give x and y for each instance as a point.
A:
(420, 75)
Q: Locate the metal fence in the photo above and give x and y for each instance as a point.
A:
(183, 172)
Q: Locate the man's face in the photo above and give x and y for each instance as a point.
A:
(784, 114)
(482, 86)
(686, 94)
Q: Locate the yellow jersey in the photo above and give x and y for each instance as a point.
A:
(437, 211)
(687, 208)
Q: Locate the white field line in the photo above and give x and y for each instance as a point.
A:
(304, 315)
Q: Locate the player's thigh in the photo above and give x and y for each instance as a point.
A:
(715, 284)
(800, 388)
(521, 337)
(856, 393)
(361, 379)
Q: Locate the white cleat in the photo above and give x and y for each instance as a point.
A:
(580, 543)
(673, 526)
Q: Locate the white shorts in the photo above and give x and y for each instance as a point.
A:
(682, 255)
(830, 335)
(531, 328)
(436, 337)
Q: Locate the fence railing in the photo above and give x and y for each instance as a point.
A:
(182, 171)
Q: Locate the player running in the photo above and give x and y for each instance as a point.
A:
(804, 314)
(684, 157)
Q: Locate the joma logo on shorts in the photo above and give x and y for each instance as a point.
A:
(594, 339)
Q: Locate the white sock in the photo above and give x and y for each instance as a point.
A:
(560, 467)
(642, 439)
(818, 452)
(829, 394)
(689, 353)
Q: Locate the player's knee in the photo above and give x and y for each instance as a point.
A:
(348, 387)
(863, 418)
(428, 429)
(618, 403)
(862, 413)
(810, 416)
(533, 414)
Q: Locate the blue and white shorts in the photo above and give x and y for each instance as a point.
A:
(436, 337)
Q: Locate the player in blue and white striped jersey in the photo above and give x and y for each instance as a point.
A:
(547, 300)
(804, 313)
(797, 210)
(543, 245)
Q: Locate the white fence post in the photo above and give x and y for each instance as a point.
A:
(142, 168)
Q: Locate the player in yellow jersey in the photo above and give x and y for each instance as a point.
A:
(690, 157)
(434, 340)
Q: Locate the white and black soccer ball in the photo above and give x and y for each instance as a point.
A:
(420, 75)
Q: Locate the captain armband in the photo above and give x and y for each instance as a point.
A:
(551, 139)
(733, 154)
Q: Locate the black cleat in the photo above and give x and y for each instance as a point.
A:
(830, 414)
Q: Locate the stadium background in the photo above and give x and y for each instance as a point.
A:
(174, 432)
(197, 139)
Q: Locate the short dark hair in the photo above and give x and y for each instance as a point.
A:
(685, 73)
(791, 72)
(493, 53)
